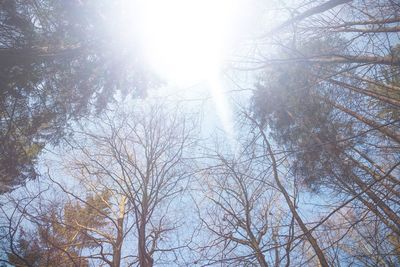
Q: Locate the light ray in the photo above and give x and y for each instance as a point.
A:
(224, 112)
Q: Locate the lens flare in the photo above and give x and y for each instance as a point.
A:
(186, 40)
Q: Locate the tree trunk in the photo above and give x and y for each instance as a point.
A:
(306, 231)
(308, 13)
(382, 98)
(145, 260)
(386, 209)
(383, 129)
(370, 206)
(373, 163)
(120, 233)
(261, 259)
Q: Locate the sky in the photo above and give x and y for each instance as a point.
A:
(189, 44)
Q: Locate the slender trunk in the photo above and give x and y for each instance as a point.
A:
(253, 240)
(375, 176)
(384, 130)
(145, 260)
(349, 59)
(377, 166)
(306, 231)
(386, 209)
(381, 217)
(288, 247)
(334, 59)
(374, 82)
(308, 13)
(374, 30)
(382, 98)
(378, 201)
(370, 206)
(120, 234)
(389, 187)
(368, 22)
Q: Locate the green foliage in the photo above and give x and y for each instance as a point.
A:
(300, 106)
(58, 240)
(289, 100)
(30, 252)
(57, 64)
(38, 249)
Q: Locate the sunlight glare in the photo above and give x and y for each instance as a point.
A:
(185, 40)
(224, 111)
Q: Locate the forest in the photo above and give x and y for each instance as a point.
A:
(199, 133)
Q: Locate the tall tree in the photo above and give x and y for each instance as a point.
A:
(73, 230)
(140, 154)
(59, 61)
(330, 97)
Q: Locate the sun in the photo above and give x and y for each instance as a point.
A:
(186, 41)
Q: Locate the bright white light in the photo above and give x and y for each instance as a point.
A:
(224, 111)
(186, 40)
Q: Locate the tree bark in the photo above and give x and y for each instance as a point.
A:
(384, 130)
(382, 98)
(321, 257)
(308, 13)
(145, 260)
(386, 209)
(120, 233)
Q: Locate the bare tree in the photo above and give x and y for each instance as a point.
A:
(140, 155)
(250, 207)
(240, 214)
